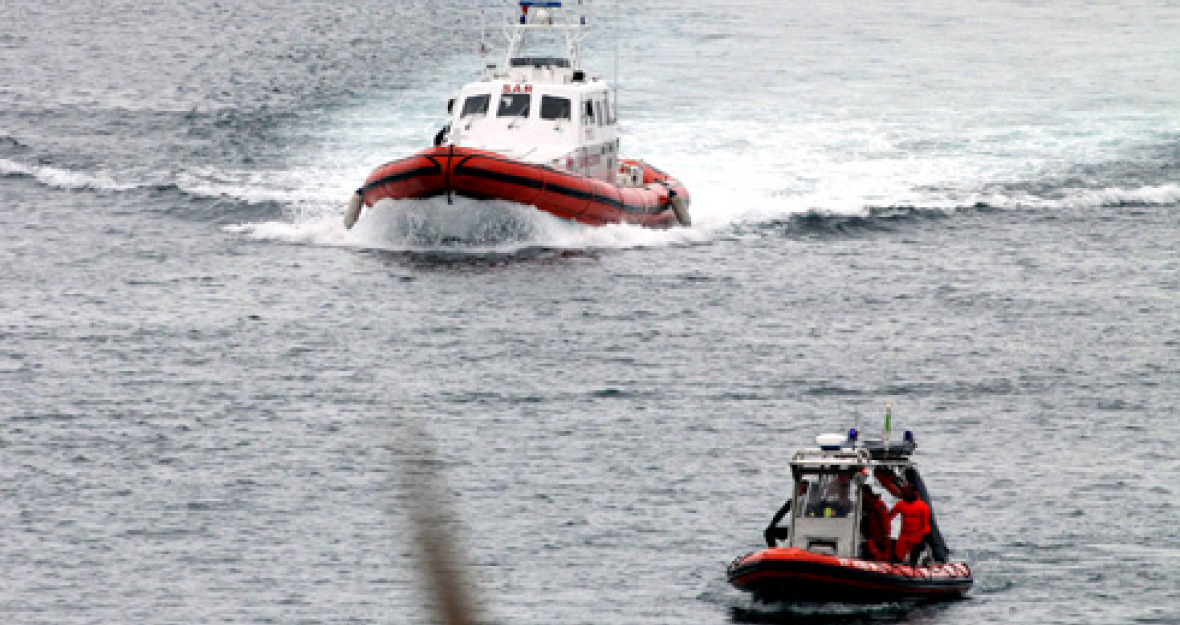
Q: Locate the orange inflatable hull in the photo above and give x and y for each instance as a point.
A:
(486, 175)
(792, 574)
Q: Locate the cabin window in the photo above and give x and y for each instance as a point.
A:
(554, 107)
(475, 105)
(598, 112)
(609, 111)
(588, 113)
(828, 495)
(514, 105)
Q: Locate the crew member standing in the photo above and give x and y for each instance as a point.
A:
(915, 524)
(873, 525)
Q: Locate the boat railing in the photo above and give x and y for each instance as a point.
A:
(571, 20)
(540, 61)
(845, 456)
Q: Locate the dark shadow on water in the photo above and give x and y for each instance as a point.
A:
(837, 613)
(822, 224)
(460, 259)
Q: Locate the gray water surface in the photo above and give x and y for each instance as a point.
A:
(971, 213)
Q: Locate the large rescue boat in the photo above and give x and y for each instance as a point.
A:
(825, 555)
(538, 131)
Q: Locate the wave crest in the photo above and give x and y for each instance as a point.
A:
(67, 179)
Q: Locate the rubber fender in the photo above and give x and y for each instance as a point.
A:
(680, 208)
(354, 210)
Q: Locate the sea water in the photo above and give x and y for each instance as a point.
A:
(969, 211)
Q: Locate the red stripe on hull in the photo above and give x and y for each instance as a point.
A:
(794, 574)
(486, 175)
(752, 580)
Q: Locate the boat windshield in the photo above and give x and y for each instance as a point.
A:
(475, 105)
(514, 105)
(827, 495)
(554, 107)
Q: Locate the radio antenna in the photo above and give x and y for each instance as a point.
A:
(618, 47)
(483, 43)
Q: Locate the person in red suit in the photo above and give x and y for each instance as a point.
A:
(874, 525)
(915, 524)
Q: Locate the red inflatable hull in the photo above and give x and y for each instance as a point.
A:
(487, 175)
(797, 575)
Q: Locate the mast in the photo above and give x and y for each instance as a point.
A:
(569, 18)
(618, 48)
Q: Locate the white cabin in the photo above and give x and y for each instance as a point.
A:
(825, 504)
(541, 109)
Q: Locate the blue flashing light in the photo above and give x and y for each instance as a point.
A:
(908, 437)
(542, 4)
(852, 434)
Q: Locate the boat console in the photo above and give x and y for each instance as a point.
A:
(825, 506)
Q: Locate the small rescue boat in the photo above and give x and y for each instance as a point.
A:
(539, 132)
(826, 555)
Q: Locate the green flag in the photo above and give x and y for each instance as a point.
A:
(888, 420)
